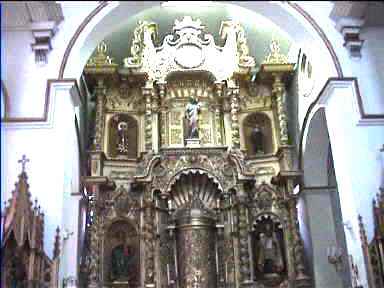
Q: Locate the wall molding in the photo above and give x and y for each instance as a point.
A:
(363, 117)
(47, 117)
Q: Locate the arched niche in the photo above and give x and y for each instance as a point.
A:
(258, 136)
(121, 245)
(122, 136)
(194, 197)
(269, 250)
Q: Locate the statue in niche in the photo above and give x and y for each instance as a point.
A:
(122, 259)
(257, 138)
(270, 259)
(122, 132)
(191, 114)
(122, 138)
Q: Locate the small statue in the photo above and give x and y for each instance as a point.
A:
(122, 259)
(257, 138)
(270, 260)
(191, 114)
(122, 132)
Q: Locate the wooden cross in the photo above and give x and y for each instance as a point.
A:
(23, 161)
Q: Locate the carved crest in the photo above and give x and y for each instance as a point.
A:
(189, 48)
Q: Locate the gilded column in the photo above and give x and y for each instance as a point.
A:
(278, 89)
(301, 279)
(147, 93)
(244, 255)
(161, 116)
(93, 261)
(149, 240)
(100, 115)
(217, 111)
(233, 94)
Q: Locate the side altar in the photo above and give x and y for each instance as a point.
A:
(191, 172)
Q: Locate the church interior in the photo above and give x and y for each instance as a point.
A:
(192, 144)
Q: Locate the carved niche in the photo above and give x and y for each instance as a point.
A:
(269, 244)
(121, 255)
(193, 206)
(258, 136)
(269, 250)
(123, 136)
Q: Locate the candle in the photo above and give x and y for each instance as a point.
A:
(168, 275)
(226, 272)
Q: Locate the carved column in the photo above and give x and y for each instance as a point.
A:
(147, 93)
(219, 245)
(160, 115)
(301, 279)
(233, 94)
(278, 89)
(244, 255)
(229, 241)
(93, 237)
(100, 115)
(149, 240)
(217, 110)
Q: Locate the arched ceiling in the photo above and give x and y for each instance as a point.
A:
(258, 29)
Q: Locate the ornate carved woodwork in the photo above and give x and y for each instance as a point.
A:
(195, 209)
(24, 260)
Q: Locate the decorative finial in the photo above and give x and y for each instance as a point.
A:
(56, 248)
(275, 57)
(23, 161)
(101, 57)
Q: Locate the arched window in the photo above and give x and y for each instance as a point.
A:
(258, 134)
(122, 136)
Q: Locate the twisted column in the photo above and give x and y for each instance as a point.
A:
(218, 118)
(297, 243)
(93, 234)
(147, 93)
(233, 94)
(278, 89)
(149, 241)
(100, 115)
(245, 273)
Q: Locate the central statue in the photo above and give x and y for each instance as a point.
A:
(122, 259)
(191, 114)
(270, 257)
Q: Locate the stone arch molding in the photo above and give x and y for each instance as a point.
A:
(108, 16)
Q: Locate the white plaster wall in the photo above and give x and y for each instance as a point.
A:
(25, 80)
(357, 166)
